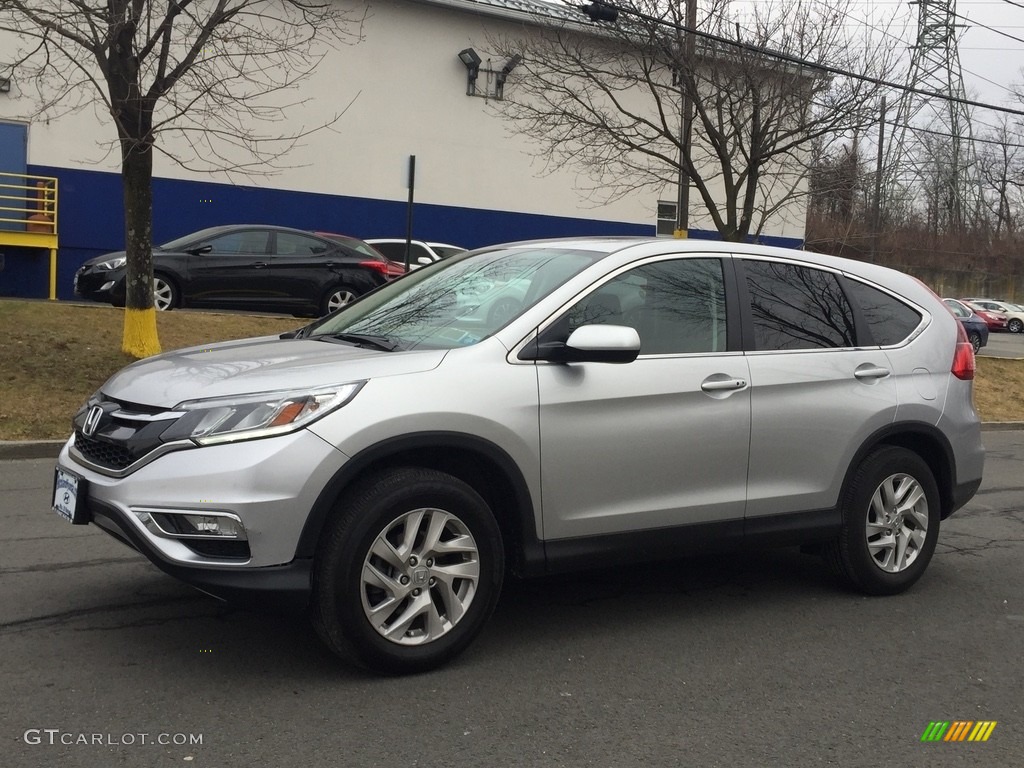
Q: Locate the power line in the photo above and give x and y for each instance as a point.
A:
(824, 68)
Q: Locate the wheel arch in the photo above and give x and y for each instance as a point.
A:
(484, 466)
(926, 441)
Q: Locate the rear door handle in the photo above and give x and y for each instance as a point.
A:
(723, 384)
(871, 372)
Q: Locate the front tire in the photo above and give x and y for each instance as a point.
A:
(890, 523)
(1016, 325)
(407, 572)
(165, 294)
(975, 338)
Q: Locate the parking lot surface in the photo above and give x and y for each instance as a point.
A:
(731, 660)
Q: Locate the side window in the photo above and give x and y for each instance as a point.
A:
(796, 307)
(246, 242)
(889, 319)
(957, 309)
(394, 251)
(677, 307)
(290, 244)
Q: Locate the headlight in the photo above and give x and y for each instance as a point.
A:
(264, 414)
(115, 263)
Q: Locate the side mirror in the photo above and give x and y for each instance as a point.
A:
(588, 344)
(424, 260)
(201, 250)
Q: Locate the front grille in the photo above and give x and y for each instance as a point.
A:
(120, 434)
(102, 453)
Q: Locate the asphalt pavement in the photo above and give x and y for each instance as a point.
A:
(733, 660)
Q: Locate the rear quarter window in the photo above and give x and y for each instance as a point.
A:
(889, 320)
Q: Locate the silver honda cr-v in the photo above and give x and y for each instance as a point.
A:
(539, 407)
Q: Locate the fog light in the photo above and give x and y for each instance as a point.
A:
(181, 524)
(211, 525)
(107, 285)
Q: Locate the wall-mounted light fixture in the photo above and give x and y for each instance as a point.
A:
(472, 60)
(5, 85)
(502, 76)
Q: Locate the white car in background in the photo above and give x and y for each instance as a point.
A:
(421, 252)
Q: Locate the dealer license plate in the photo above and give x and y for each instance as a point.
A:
(69, 497)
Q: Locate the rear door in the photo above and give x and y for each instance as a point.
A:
(815, 394)
(658, 442)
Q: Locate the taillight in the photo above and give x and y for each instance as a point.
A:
(376, 266)
(963, 355)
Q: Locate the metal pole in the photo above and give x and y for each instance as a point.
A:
(408, 210)
(686, 127)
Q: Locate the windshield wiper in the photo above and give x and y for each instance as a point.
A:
(362, 340)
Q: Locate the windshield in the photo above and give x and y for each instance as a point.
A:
(456, 302)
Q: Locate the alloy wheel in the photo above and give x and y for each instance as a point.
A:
(897, 523)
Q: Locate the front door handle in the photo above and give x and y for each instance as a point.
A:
(717, 385)
(259, 264)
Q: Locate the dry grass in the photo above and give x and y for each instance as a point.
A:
(53, 356)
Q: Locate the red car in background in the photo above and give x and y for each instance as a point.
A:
(996, 321)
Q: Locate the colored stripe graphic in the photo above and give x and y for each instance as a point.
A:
(958, 730)
(935, 731)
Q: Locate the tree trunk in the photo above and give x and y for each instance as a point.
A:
(140, 333)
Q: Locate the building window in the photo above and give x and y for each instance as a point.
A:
(666, 218)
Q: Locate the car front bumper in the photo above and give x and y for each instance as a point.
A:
(265, 488)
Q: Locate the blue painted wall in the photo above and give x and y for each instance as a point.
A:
(91, 222)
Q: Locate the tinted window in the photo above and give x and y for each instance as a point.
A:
(796, 307)
(289, 244)
(889, 319)
(249, 241)
(677, 307)
(957, 308)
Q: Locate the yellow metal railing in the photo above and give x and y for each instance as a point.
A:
(28, 216)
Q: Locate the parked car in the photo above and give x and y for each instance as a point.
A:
(265, 268)
(1014, 313)
(974, 326)
(394, 269)
(382, 467)
(421, 252)
(996, 321)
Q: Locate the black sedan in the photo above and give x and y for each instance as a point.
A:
(263, 268)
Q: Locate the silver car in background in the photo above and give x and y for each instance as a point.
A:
(388, 465)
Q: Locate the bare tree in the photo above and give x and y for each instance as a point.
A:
(608, 99)
(207, 71)
(1001, 166)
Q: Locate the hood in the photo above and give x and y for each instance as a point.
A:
(257, 365)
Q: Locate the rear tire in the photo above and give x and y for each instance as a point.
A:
(1015, 325)
(975, 338)
(407, 572)
(337, 297)
(890, 523)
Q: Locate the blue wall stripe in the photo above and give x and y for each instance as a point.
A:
(91, 222)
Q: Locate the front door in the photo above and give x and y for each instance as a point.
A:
(658, 442)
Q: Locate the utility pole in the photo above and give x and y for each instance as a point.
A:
(876, 217)
(686, 126)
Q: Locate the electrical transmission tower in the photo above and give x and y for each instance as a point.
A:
(937, 164)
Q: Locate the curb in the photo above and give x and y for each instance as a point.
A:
(30, 449)
(49, 449)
